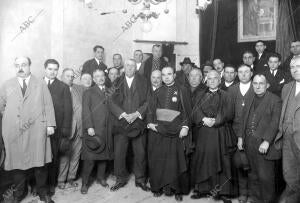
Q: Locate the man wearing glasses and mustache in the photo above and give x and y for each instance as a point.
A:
(28, 122)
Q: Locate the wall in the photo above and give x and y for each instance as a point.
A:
(69, 31)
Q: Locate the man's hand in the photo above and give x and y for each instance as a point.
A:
(240, 143)
(208, 121)
(183, 132)
(264, 146)
(152, 126)
(133, 116)
(91, 132)
(50, 131)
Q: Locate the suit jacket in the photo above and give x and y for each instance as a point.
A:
(148, 66)
(24, 123)
(77, 92)
(139, 102)
(141, 69)
(91, 65)
(261, 64)
(286, 91)
(266, 122)
(276, 83)
(62, 102)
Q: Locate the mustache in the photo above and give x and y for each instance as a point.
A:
(21, 71)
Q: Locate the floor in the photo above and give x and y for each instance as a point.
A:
(128, 194)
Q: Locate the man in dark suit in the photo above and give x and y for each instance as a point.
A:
(261, 57)
(138, 57)
(156, 81)
(239, 94)
(62, 102)
(95, 63)
(248, 59)
(118, 62)
(195, 85)
(295, 51)
(229, 77)
(260, 125)
(182, 75)
(218, 65)
(276, 77)
(154, 62)
(129, 105)
(288, 137)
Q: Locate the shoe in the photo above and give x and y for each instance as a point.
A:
(143, 186)
(46, 199)
(103, 183)
(198, 195)
(178, 198)
(61, 186)
(117, 186)
(52, 190)
(71, 184)
(34, 192)
(157, 194)
(167, 191)
(84, 189)
(242, 199)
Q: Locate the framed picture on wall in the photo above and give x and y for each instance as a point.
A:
(257, 20)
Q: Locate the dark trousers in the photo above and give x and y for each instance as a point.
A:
(20, 178)
(121, 143)
(53, 167)
(243, 182)
(88, 166)
(291, 169)
(262, 173)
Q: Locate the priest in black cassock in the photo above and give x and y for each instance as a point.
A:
(168, 140)
(211, 168)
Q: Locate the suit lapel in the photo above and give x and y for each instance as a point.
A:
(290, 87)
(18, 89)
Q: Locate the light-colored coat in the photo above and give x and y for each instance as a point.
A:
(285, 94)
(77, 92)
(24, 124)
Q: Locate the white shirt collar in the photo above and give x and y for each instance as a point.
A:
(138, 65)
(275, 71)
(47, 79)
(244, 88)
(101, 87)
(20, 80)
(259, 55)
(297, 90)
(227, 84)
(97, 60)
(213, 90)
(129, 80)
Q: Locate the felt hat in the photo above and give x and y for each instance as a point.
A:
(94, 143)
(187, 60)
(240, 160)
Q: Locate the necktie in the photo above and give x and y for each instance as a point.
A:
(24, 87)
(49, 83)
(273, 72)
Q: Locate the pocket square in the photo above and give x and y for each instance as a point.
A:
(282, 81)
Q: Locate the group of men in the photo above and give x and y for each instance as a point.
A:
(220, 130)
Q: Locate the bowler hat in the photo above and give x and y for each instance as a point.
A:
(94, 143)
(187, 60)
(240, 160)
